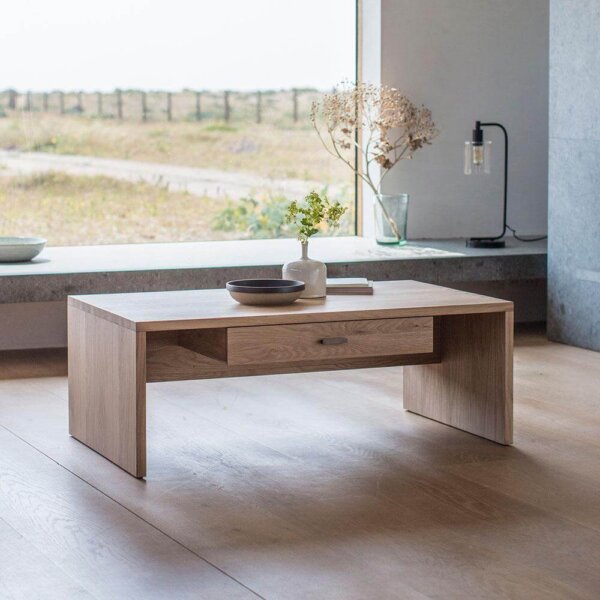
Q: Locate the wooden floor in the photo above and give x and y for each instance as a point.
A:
(314, 486)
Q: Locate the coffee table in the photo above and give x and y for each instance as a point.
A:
(457, 349)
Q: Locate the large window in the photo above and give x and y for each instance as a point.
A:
(127, 121)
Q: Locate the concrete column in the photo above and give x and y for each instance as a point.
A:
(574, 174)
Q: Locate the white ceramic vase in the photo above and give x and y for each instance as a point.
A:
(312, 272)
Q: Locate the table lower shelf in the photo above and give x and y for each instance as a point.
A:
(168, 358)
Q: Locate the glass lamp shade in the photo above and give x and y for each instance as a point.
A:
(478, 158)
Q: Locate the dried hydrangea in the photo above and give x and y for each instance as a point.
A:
(393, 128)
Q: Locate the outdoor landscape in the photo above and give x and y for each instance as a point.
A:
(137, 166)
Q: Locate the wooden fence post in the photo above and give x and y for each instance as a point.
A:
(79, 102)
(259, 107)
(226, 107)
(295, 101)
(144, 107)
(45, 102)
(169, 107)
(12, 99)
(99, 103)
(28, 102)
(198, 111)
(119, 104)
(61, 102)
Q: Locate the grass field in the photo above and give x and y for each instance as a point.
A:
(98, 210)
(71, 210)
(267, 150)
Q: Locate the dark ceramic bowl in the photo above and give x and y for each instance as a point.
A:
(265, 292)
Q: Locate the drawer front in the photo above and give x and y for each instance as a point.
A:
(341, 339)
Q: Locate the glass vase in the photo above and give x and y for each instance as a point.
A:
(391, 214)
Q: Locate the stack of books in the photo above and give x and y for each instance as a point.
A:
(350, 286)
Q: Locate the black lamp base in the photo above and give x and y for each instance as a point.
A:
(485, 243)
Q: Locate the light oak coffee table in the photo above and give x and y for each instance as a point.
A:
(459, 347)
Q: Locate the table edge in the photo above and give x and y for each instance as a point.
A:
(497, 305)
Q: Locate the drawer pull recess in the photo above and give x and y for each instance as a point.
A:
(334, 341)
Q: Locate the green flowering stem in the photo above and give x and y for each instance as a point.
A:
(309, 216)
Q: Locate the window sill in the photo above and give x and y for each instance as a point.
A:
(61, 271)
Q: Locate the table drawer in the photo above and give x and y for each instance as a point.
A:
(340, 339)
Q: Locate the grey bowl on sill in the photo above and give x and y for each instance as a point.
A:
(20, 249)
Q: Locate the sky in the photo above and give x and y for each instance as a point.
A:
(174, 44)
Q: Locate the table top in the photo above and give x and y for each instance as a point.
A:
(204, 309)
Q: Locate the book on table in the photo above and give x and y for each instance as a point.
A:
(349, 286)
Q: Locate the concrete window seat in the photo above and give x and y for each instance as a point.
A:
(33, 295)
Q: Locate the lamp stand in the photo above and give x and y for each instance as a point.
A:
(497, 241)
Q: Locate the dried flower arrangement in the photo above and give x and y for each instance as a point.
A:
(393, 129)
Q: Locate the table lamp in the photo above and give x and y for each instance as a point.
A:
(477, 161)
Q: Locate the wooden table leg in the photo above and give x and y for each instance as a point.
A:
(107, 389)
(471, 388)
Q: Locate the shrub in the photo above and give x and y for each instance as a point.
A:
(270, 218)
(254, 219)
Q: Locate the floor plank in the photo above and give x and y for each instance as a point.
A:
(100, 545)
(19, 364)
(27, 574)
(321, 486)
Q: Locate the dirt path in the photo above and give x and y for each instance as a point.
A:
(200, 182)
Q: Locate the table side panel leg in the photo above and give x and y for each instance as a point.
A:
(107, 389)
(472, 387)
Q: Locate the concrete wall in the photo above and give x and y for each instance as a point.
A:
(466, 60)
(33, 325)
(574, 189)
